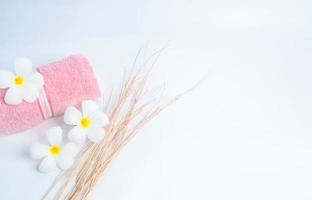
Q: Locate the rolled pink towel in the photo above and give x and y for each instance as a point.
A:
(66, 83)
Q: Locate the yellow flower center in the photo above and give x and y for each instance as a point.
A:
(19, 81)
(55, 150)
(85, 122)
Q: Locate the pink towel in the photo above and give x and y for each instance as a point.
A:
(66, 83)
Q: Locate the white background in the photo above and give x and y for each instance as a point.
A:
(244, 134)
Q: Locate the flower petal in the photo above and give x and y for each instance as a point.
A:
(38, 151)
(71, 149)
(23, 66)
(99, 119)
(48, 164)
(6, 79)
(77, 135)
(72, 116)
(35, 79)
(95, 134)
(14, 95)
(64, 161)
(54, 135)
(89, 107)
(31, 95)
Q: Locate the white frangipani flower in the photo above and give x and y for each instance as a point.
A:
(90, 123)
(56, 154)
(23, 85)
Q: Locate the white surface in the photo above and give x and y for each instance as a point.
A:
(244, 134)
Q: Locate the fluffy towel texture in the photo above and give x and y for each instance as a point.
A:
(67, 83)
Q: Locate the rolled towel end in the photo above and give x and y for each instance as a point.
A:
(66, 83)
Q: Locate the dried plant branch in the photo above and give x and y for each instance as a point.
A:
(128, 115)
